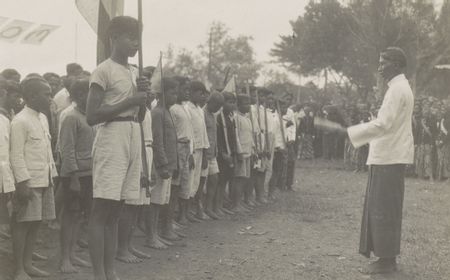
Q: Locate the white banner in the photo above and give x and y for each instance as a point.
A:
(16, 29)
(38, 35)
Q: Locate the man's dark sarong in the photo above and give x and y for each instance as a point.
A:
(382, 217)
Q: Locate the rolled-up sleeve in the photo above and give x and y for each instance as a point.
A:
(17, 146)
(364, 133)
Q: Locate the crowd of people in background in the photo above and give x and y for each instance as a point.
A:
(431, 132)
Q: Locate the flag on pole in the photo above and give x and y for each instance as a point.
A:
(231, 86)
(155, 82)
(98, 14)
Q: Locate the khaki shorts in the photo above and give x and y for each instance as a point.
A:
(40, 207)
(213, 168)
(161, 192)
(143, 199)
(242, 168)
(117, 162)
(194, 178)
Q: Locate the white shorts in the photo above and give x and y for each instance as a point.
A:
(213, 168)
(117, 162)
(143, 199)
(194, 178)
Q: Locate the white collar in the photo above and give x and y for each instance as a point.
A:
(396, 79)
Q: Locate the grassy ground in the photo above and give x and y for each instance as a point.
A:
(310, 234)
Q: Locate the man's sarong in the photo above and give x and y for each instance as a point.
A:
(382, 216)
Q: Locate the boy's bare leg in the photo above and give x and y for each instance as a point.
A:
(69, 222)
(237, 189)
(199, 198)
(259, 187)
(30, 241)
(167, 225)
(182, 214)
(137, 253)
(19, 234)
(102, 235)
(126, 220)
(189, 215)
(211, 189)
(153, 240)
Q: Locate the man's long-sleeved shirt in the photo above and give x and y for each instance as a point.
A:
(245, 143)
(6, 175)
(390, 134)
(75, 144)
(183, 124)
(31, 153)
(198, 126)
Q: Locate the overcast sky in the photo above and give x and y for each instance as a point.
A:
(181, 23)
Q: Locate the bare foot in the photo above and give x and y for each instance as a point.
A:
(21, 275)
(212, 215)
(183, 221)
(170, 235)
(227, 211)
(165, 241)
(80, 262)
(139, 254)
(127, 257)
(155, 243)
(4, 235)
(83, 244)
(202, 216)
(38, 257)
(112, 276)
(36, 272)
(192, 219)
(67, 267)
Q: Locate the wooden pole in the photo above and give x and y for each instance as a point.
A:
(141, 25)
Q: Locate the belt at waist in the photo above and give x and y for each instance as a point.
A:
(125, 119)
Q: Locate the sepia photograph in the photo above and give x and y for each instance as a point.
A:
(223, 140)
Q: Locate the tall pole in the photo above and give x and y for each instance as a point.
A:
(210, 55)
(140, 55)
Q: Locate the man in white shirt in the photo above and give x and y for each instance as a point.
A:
(33, 167)
(391, 149)
(8, 99)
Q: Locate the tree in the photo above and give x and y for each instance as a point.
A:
(348, 39)
(226, 55)
(184, 63)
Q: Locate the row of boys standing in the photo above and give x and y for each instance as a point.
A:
(179, 145)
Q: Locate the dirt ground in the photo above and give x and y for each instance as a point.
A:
(312, 233)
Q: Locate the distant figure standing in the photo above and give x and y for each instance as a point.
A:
(391, 149)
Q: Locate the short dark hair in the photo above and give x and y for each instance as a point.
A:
(28, 84)
(182, 80)
(395, 55)
(12, 86)
(9, 73)
(196, 86)
(228, 95)
(78, 85)
(47, 76)
(242, 97)
(72, 68)
(123, 25)
(168, 84)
